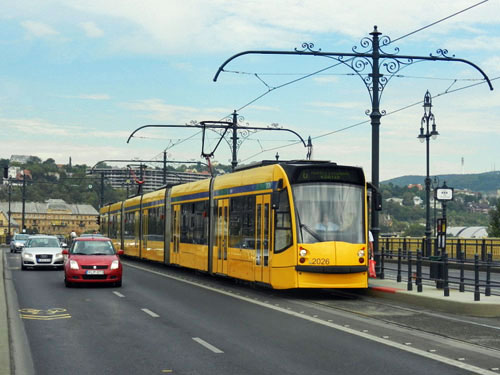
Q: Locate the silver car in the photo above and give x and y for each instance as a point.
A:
(17, 242)
(42, 251)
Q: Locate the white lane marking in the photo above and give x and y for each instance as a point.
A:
(150, 313)
(207, 345)
(119, 294)
(410, 349)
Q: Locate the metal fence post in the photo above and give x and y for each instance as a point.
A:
(487, 290)
(409, 283)
(462, 272)
(446, 288)
(419, 271)
(399, 266)
(477, 295)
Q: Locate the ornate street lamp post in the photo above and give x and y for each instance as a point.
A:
(381, 67)
(426, 119)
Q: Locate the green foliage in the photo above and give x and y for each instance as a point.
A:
(494, 227)
(71, 184)
(409, 220)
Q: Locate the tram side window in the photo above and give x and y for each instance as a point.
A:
(129, 225)
(283, 227)
(113, 227)
(104, 225)
(242, 222)
(194, 223)
(155, 223)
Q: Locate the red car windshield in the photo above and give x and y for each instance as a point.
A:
(93, 248)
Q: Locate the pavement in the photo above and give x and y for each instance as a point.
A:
(430, 297)
(4, 325)
(460, 303)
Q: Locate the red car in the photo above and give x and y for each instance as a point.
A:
(92, 260)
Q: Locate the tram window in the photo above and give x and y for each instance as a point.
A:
(242, 222)
(129, 225)
(155, 224)
(283, 229)
(194, 223)
(186, 230)
(200, 223)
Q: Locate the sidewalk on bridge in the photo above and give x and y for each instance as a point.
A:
(457, 302)
(4, 325)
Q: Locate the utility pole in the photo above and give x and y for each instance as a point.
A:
(164, 167)
(234, 161)
(9, 213)
(373, 59)
(23, 228)
(102, 190)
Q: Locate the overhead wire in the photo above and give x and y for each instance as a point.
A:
(368, 121)
(334, 65)
(447, 91)
(317, 72)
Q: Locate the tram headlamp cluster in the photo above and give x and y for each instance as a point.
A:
(303, 252)
(361, 253)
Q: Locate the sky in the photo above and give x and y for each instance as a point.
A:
(78, 77)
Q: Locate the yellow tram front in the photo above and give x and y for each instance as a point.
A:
(330, 221)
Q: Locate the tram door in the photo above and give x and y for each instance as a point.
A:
(262, 238)
(222, 235)
(176, 234)
(144, 234)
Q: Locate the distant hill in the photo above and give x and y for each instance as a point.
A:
(486, 183)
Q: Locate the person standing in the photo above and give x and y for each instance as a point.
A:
(370, 244)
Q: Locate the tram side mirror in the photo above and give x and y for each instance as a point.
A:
(275, 200)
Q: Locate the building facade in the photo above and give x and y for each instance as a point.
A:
(124, 178)
(54, 216)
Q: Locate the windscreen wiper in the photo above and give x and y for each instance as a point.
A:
(312, 233)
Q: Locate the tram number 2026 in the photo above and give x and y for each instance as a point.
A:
(319, 261)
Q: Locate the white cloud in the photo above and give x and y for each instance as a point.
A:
(38, 29)
(91, 29)
(158, 110)
(89, 96)
(343, 105)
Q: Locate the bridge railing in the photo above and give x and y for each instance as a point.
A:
(472, 274)
(454, 246)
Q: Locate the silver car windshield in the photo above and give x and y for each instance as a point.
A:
(329, 212)
(44, 242)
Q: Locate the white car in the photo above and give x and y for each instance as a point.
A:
(42, 251)
(18, 241)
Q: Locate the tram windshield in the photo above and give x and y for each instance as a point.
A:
(329, 212)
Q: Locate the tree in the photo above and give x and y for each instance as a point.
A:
(494, 227)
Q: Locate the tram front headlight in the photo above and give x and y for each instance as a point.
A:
(361, 253)
(303, 252)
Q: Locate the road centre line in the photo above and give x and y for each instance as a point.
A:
(207, 345)
(150, 313)
(410, 349)
(119, 294)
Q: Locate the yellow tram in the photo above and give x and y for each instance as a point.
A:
(295, 224)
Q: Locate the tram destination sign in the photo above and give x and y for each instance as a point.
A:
(349, 175)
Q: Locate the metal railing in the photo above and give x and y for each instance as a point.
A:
(464, 274)
(454, 246)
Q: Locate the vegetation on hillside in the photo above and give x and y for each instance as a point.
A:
(50, 181)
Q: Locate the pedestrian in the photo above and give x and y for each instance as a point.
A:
(371, 261)
(370, 244)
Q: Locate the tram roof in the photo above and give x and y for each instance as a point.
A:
(282, 162)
